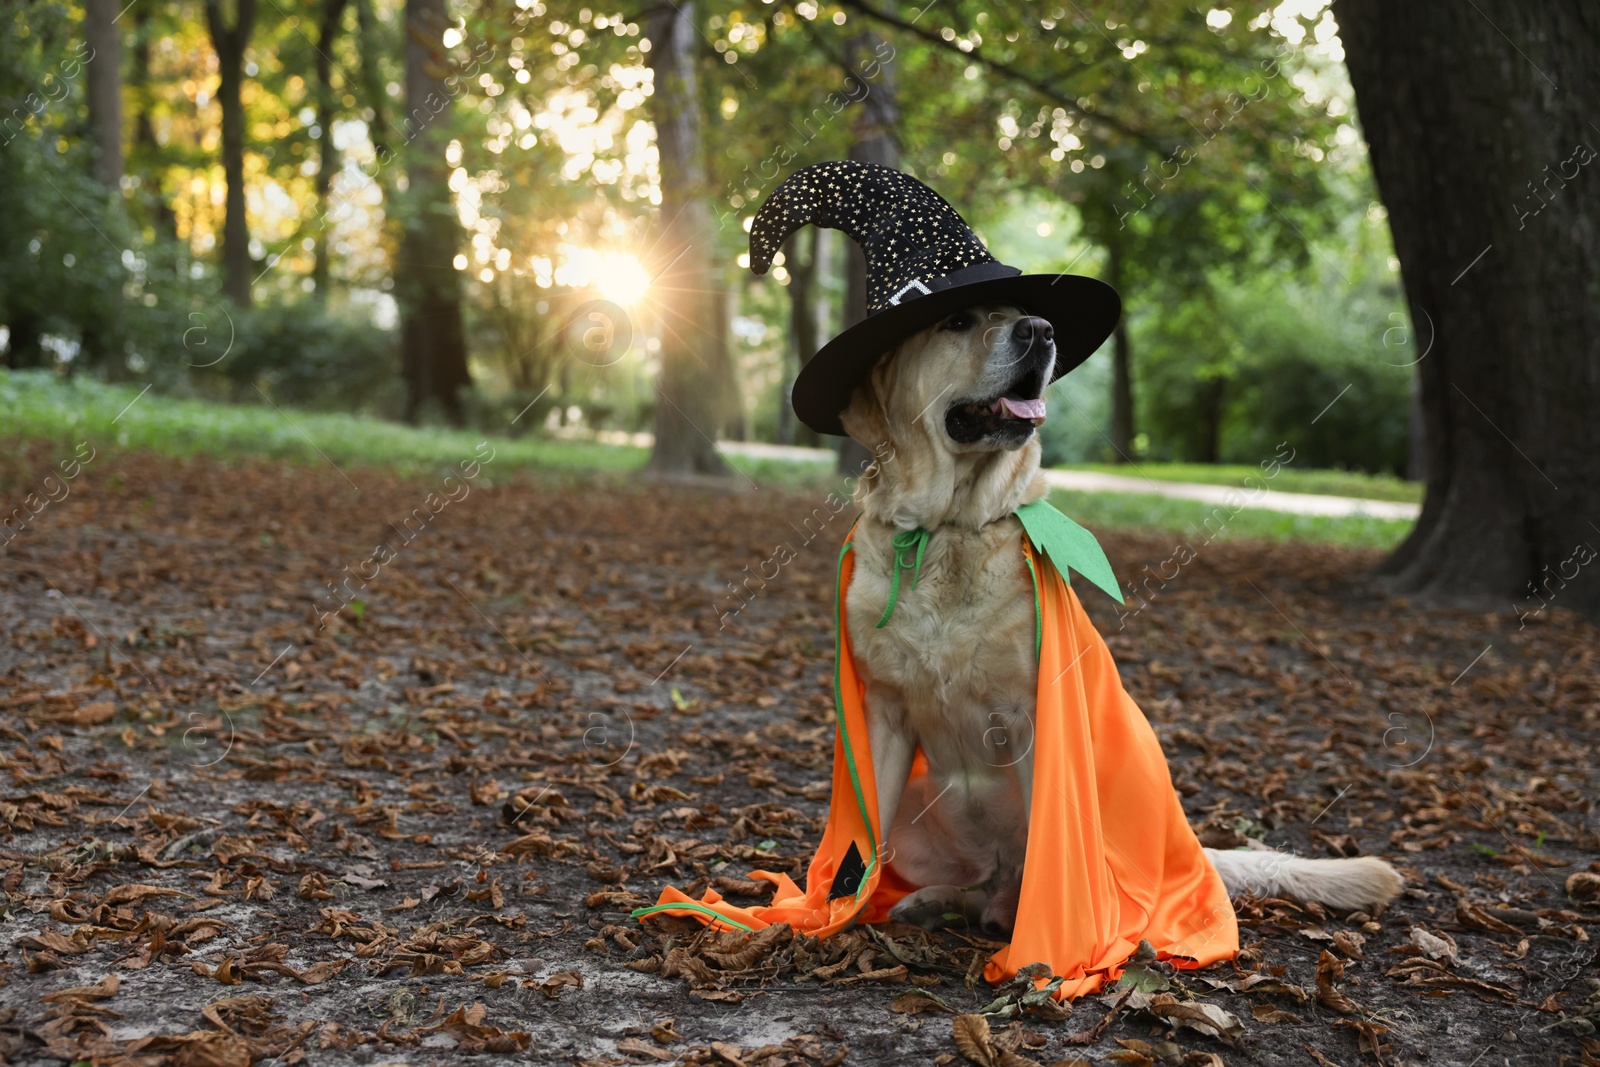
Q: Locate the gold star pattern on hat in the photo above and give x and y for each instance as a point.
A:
(908, 233)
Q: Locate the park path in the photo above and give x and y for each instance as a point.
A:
(1095, 482)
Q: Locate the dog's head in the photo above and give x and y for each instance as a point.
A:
(974, 382)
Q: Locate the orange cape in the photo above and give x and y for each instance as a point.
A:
(1111, 859)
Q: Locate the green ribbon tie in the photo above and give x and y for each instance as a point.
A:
(904, 542)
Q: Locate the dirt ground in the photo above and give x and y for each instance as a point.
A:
(249, 821)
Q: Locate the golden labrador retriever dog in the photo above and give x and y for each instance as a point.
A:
(958, 404)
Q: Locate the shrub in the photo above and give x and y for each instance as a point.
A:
(1226, 375)
(1288, 398)
(1078, 406)
(312, 357)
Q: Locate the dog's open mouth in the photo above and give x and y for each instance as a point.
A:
(1009, 417)
(1010, 407)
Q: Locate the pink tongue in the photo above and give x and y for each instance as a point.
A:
(1032, 410)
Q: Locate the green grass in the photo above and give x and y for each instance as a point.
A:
(1188, 517)
(35, 405)
(1287, 480)
(38, 406)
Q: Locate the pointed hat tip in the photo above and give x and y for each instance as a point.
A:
(762, 246)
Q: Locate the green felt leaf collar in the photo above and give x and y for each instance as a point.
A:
(1069, 546)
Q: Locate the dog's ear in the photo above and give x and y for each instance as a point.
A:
(867, 419)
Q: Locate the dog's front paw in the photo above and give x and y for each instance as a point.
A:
(936, 906)
(1000, 911)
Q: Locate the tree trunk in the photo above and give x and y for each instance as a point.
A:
(1213, 394)
(1122, 421)
(821, 314)
(433, 343)
(735, 425)
(371, 47)
(688, 390)
(806, 256)
(104, 76)
(1417, 437)
(372, 87)
(144, 158)
(802, 340)
(327, 155)
(1501, 256)
(230, 43)
(877, 140)
(24, 348)
(100, 333)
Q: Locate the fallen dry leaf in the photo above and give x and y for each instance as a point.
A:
(1266, 1013)
(1435, 946)
(632, 1046)
(1583, 885)
(553, 985)
(1329, 970)
(916, 1002)
(1207, 1018)
(106, 987)
(101, 711)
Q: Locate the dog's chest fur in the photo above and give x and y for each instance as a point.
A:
(957, 656)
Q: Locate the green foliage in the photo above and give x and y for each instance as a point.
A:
(81, 289)
(1339, 412)
(1182, 144)
(58, 284)
(1078, 406)
(1320, 359)
(1203, 161)
(303, 355)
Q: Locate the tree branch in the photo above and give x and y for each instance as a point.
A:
(1038, 85)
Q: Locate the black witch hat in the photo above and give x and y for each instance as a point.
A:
(923, 263)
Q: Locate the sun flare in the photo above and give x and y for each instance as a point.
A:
(622, 278)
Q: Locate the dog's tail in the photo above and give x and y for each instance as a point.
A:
(1365, 883)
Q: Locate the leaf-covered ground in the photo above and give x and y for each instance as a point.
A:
(237, 829)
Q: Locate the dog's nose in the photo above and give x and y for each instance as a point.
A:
(1031, 327)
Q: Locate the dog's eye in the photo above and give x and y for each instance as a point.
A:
(959, 322)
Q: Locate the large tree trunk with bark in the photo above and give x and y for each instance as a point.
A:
(433, 342)
(1500, 260)
(688, 392)
(104, 75)
(230, 42)
(327, 154)
(877, 140)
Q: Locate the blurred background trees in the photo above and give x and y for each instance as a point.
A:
(529, 215)
(545, 203)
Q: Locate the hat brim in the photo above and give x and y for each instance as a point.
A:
(1083, 312)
